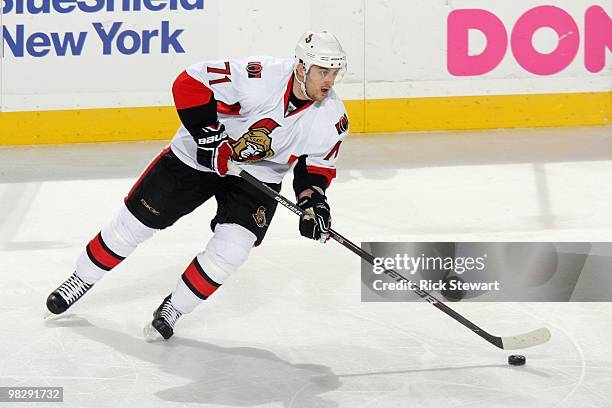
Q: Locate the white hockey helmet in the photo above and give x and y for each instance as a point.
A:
(322, 49)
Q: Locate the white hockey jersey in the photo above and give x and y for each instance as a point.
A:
(252, 102)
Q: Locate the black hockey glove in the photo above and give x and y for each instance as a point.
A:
(316, 221)
(214, 150)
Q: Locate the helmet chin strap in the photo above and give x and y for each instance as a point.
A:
(302, 83)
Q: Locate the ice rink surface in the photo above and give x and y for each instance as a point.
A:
(289, 330)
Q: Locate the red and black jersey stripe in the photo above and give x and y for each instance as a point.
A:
(328, 173)
(198, 281)
(101, 255)
(188, 92)
(305, 176)
(195, 103)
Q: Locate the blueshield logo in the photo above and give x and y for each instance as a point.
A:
(108, 38)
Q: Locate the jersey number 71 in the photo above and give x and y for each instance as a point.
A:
(222, 71)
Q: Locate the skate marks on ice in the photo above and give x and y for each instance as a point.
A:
(227, 376)
(16, 201)
(451, 367)
(184, 370)
(583, 390)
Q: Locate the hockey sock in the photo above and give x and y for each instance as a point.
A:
(113, 244)
(226, 251)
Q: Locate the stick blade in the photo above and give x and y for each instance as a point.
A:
(526, 340)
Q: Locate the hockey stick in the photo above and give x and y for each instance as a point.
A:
(520, 341)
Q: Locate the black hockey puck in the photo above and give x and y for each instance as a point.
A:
(516, 360)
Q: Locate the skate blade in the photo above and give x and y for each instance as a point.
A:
(150, 334)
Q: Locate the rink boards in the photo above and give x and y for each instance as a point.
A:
(76, 71)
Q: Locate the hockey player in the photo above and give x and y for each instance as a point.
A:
(265, 114)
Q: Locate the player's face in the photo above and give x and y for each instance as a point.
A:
(319, 81)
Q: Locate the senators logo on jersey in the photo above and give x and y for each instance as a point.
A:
(342, 125)
(254, 69)
(256, 144)
(260, 217)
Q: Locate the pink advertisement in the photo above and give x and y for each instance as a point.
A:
(516, 38)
